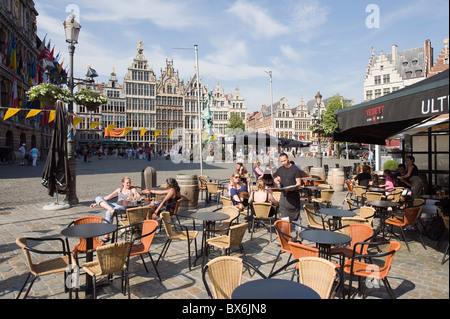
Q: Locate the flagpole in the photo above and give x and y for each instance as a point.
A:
(199, 111)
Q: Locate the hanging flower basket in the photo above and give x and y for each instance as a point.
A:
(90, 99)
(48, 94)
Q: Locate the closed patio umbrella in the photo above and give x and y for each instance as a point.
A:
(56, 174)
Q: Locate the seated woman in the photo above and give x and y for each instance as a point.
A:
(389, 182)
(261, 195)
(257, 170)
(364, 178)
(170, 200)
(237, 190)
(122, 193)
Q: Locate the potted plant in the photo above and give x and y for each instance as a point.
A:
(48, 94)
(90, 99)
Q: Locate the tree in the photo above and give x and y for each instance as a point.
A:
(329, 121)
(235, 121)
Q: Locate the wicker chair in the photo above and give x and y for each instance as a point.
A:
(233, 238)
(276, 195)
(224, 274)
(183, 235)
(359, 193)
(213, 189)
(47, 267)
(368, 213)
(226, 201)
(350, 191)
(202, 185)
(311, 216)
(409, 219)
(111, 259)
(445, 220)
(134, 215)
(326, 196)
(141, 245)
(317, 273)
(234, 213)
(395, 195)
(261, 212)
(355, 267)
(369, 196)
(81, 246)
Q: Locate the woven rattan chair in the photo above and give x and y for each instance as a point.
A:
(409, 219)
(355, 267)
(224, 275)
(81, 246)
(233, 238)
(135, 215)
(315, 220)
(359, 193)
(226, 201)
(395, 195)
(370, 196)
(261, 212)
(445, 234)
(276, 195)
(231, 211)
(183, 235)
(368, 213)
(213, 189)
(111, 259)
(141, 244)
(46, 267)
(326, 196)
(202, 185)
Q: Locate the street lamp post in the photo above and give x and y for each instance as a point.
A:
(319, 148)
(72, 30)
(271, 103)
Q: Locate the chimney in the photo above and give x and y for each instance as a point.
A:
(394, 53)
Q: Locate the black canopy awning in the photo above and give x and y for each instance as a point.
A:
(375, 121)
(286, 142)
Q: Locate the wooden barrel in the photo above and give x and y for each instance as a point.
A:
(188, 189)
(318, 172)
(336, 178)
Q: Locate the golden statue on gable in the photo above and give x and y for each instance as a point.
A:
(139, 47)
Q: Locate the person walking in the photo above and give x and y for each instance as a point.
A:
(22, 152)
(34, 154)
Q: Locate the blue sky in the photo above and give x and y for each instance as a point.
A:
(308, 45)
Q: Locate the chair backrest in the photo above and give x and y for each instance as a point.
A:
(360, 233)
(277, 195)
(373, 196)
(299, 250)
(236, 234)
(112, 257)
(165, 218)
(393, 247)
(444, 217)
(326, 186)
(326, 195)
(348, 221)
(311, 215)
(317, 273)
(410, 215)
(359, 190)
(22, 243)
(224, 274)
(318, 182)
(395, 195)
(177, 205)
(212, 187)
(367, 212)
(82, 245)
(226, 201)
(349, 186)
(137, 214)
(261, 210)
(349, 203)
(231, 211)
(202, 182)
(148, 226)
(283, 227)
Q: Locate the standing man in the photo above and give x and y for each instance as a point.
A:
(34, 153)
(289, 175)
(22, 154)
(370, 157)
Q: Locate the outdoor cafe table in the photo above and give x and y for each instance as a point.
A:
(376, 189)
(209, 221)
(273, 289)
(310, 180)
(130, 204)
(382, 208)
(88, 232)
(337, 214)
(324, 240)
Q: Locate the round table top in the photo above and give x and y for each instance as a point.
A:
(88, 230)
(273, 289)
(325, 237)
(376, 189)
(129, 204)
(337, 212)
(382, 203)
(209, 216)
(310, 178)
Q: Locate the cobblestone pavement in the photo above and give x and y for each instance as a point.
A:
(418, 274)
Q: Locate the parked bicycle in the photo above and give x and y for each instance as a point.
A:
(7, 154)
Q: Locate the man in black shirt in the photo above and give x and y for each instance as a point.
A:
(288, 175)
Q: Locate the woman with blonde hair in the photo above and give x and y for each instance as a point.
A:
(261, 195)
(257, 170)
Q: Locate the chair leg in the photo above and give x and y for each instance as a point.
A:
(164, 250)
(29, 288)
(154, 266)
(388, 287)
(276, 259)
(445, 255)
(404, 238)
(143, 261)
(24, 284)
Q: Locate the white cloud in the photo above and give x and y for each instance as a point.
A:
(260, 23)
(306, 18)
(289, 52)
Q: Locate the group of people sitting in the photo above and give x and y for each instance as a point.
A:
(408, 178)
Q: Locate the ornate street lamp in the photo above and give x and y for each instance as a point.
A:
(72, 30)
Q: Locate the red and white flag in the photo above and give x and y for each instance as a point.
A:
(14, 95)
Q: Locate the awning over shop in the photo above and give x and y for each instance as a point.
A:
(375, 121)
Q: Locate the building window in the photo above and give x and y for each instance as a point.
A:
(418, 72)
(369, 95)
(377, 79)
(377, 93)
(386, 78)
(386, 91)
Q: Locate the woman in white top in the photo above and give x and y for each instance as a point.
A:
(261, 195)
(122, 193)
